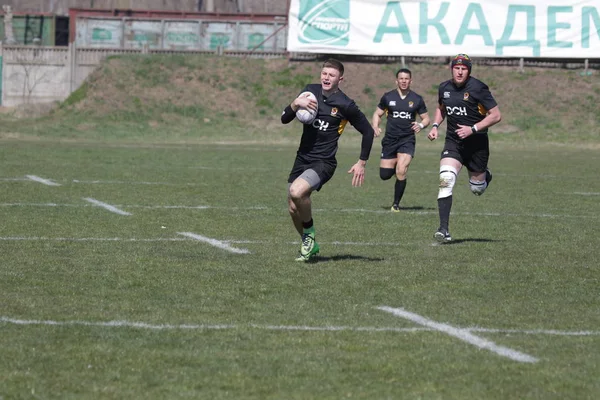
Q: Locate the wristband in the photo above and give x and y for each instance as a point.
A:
(435, 125)
(474, 128)
(421, 125)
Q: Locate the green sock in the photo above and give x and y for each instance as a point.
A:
(310, 230)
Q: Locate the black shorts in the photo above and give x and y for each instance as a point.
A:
(324, 169)
(473, 153)
(391, 147)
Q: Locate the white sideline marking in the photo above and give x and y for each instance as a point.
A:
(461, 334)
(201, 207)
(66, 239)
(40, 205)
(226, 242)
(137, 183)
(36, 178)
(348, 210)
(106, 206)
(214, 242)
(488, 214)
(534, 332)
(587, 193)
(144, 325)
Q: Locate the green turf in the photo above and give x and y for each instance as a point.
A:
(524, 258)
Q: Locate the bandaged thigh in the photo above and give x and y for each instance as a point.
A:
(447, 180)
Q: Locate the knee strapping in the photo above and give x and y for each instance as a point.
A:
(477, 187)
(447, 181)
(386, 173)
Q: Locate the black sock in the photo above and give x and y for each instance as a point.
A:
(444, 206)
(307, 225)
(399, 190)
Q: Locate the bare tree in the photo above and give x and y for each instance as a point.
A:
(31, 73)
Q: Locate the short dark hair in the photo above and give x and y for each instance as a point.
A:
(405, 71)
(336, 64)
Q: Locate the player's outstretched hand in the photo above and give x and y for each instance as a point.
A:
(358, 170)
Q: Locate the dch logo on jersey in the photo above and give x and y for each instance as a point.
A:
(320, 124)
(456, 110)
(324, 22)
(402, 114)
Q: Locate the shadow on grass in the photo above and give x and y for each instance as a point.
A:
(345, 257)
(474, 240)
(413, 208)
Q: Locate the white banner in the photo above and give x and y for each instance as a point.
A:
(489, 28)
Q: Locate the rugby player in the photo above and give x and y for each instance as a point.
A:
(401, 107)
(470, 109)
(315, 161)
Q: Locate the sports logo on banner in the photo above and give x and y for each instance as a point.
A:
(324, 22)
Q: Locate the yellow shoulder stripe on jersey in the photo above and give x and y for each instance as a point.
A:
(481, 109)
(342, 126)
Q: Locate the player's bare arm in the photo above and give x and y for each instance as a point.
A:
(492, 117)
(376, 120)
(438, 118)
(419, 126)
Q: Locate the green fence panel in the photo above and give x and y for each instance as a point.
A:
(26, 28)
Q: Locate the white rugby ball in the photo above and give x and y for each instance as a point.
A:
(305, 115)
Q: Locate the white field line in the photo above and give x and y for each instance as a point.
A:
(97, 182)
(326, 210)
(214, 242)
(144, 325)
(480, 214)
(198, 207)
(189, 238)
(106, 206)
(41, 205)
(36, 178)
(587, 193)
(461, 334)
(549, 332)
(89, 239)
(14, 179)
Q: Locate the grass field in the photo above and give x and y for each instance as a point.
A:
(162, 272)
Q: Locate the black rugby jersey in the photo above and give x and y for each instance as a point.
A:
(466, 105)
(320, 139)
(401, 113)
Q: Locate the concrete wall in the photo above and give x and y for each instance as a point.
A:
(61, 7)
(34, 75)
(46, 74)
